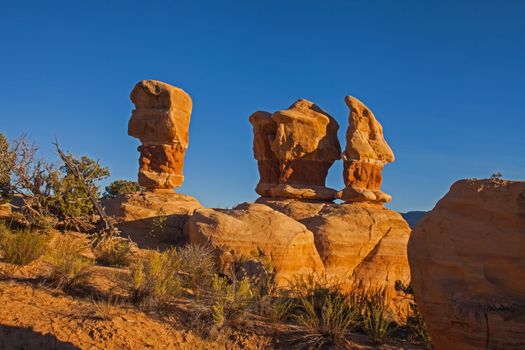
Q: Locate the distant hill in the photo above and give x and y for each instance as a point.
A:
(413, 217)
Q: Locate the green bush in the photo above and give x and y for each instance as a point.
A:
(70, 267)
(70, 197)
(113, 252)
(22, 246)
(119, 187)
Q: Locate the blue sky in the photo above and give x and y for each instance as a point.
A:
(445, 78)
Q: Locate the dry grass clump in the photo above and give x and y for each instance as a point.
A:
(70, 267)
(377, 320)
(113, 252)
(325, 319)
(21, 247)
(323, 315)
(106, 309)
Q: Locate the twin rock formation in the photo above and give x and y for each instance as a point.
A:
(295, 222)
(295, 148)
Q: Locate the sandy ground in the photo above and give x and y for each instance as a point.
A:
(35, 316)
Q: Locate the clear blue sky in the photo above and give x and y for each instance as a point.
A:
(445, 78)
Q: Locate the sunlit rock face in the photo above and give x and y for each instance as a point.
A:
(365, 155)
(467, 261)
(160, 120)
(295, 148)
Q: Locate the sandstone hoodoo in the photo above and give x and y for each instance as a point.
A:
(295, 148)
(160, 120)
(365, 155)
(467, 260)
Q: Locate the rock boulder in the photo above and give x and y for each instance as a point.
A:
(467, 258)
(255, 230)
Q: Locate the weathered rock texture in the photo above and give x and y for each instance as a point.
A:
(365, 154)
(357, 242)
(252, 230)
(135, 214)
(294, 149)
(160, 120)
(467, 258)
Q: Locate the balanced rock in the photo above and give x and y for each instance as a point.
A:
(160, 120)
(358, 242)
(295, 148)
(365, 154)
(257, 231)
(467, 258)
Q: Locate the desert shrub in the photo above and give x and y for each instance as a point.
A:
(159, 227)
(70, 200)
(113, 252)
(496, 176)
(122, 187)
(21, 247)
(325, 318)
(70, 268)
(6, 167)
(414, 323)
(50, 194)
(279, 309)
(377, 319)
(227, 304)
(197, 267)
(154, 279)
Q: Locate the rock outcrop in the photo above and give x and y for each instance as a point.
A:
(135, 214)
(257, 231)
(467, 258)
(357, 242)
(160, 120)
(365, 154)
(295, 148)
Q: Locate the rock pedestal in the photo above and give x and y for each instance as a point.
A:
(160, 120)
(358, 242)
(467, 258)
(295, 148)
(365, 154)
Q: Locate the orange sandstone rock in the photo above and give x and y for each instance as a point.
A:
(295, 148)
(264, 130)
(365, 154)
(467, 258)
(358, 242)
(256, 230)
(160, 120)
